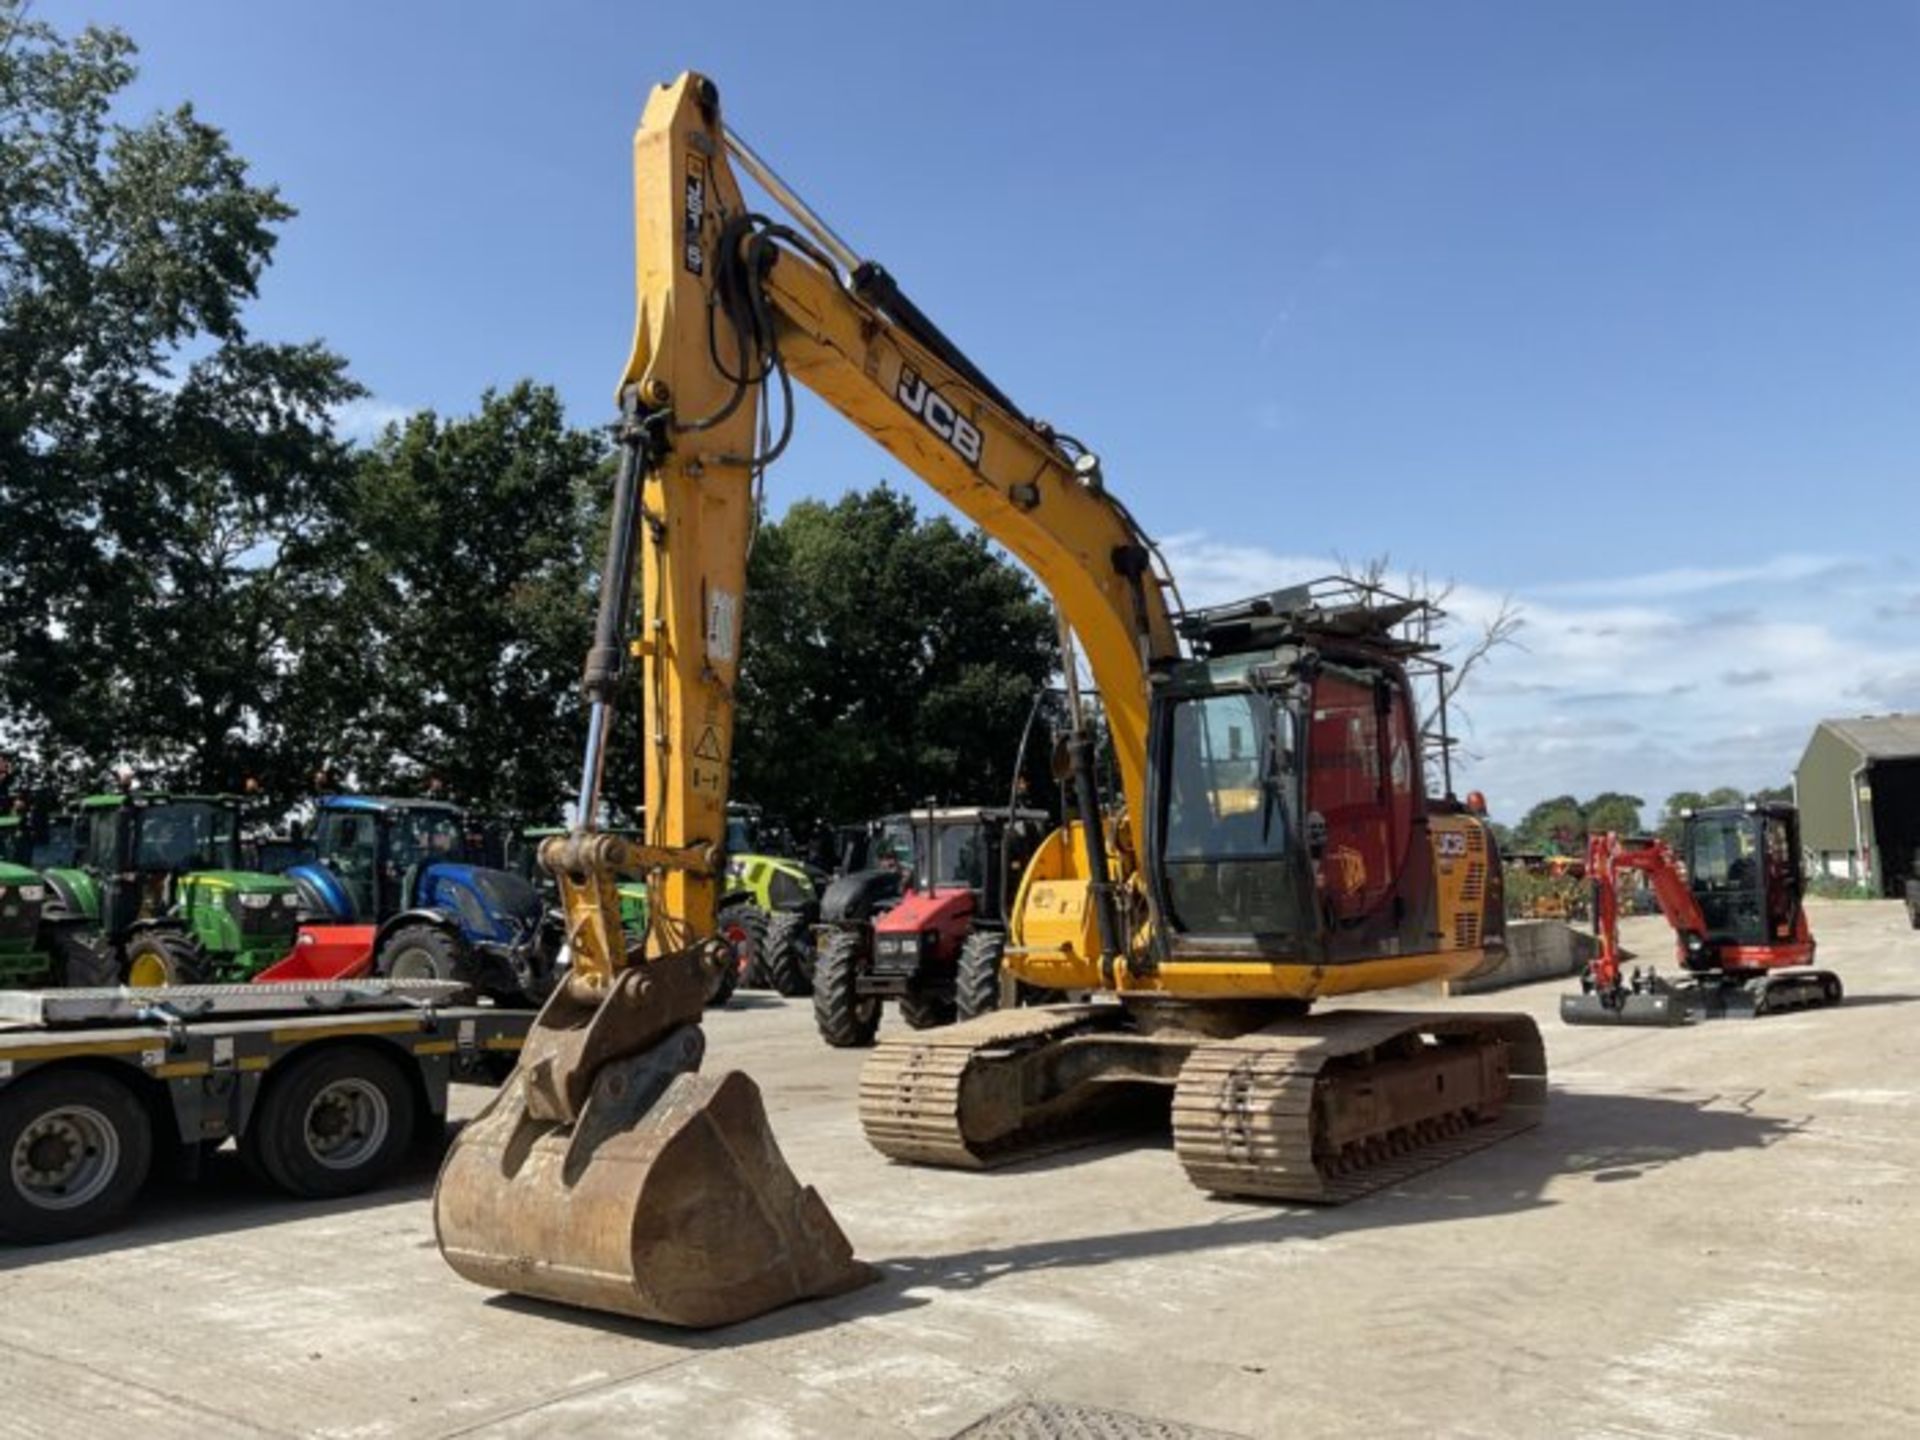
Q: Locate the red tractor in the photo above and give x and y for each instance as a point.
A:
(924, 925)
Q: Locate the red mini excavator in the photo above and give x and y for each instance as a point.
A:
(1733, 898)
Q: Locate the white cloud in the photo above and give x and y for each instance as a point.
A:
(363, 420)
(1640, 683)
(1693, 580)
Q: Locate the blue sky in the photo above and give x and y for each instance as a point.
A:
(1611, 307)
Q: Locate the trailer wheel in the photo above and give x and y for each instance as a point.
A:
(165, 957)
(845, 1017)
(77, 1146)
(976, 984)
(334, 1122)
(421, 952)
(787, 954)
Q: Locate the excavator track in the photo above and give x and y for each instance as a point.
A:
(920, 1095)
(1330, 1109)
(1321, 1110)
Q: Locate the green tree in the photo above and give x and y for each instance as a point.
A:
(160, 467)
(459, 606)
(1672, 818)
(886, 659)
(1612, 811)
(1557, 826)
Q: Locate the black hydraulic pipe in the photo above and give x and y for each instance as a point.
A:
(1086, 794)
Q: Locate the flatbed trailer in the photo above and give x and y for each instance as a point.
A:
(324, 1085)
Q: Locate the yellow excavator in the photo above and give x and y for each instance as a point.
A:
(1276, 844)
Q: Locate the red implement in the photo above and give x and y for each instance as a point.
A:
(325, 952)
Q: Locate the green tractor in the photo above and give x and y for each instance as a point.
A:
(24, 960)
(767, 909)
(36, 948)
(523, 859)
(770, 905)
(159, 898)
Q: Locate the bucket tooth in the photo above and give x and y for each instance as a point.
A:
(663, 1196)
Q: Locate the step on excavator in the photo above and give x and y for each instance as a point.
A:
(1733, 897)
(1277, 845)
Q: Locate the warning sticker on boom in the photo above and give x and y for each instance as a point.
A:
(723, 625)
(707, 747)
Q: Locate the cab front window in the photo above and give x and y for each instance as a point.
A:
(1226, 838)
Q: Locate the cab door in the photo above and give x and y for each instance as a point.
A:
(1363, 802)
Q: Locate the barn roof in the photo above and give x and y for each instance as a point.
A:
(1879, 737)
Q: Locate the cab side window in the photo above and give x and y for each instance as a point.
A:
(1362, 768)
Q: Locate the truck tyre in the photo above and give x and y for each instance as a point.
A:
(333, 1122)
(976, 984)
(744, 928)
(421, 952)
(922, 1010)
(845, 1018)
(165, 957)
(77, 1146)
(788, 956)
(82, 960)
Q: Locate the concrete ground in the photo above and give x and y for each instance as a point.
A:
(1713, 1234)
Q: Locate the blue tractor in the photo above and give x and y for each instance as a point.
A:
(403, 868)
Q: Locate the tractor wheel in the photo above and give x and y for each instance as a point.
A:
(165, 957)
(846, 1019)
(744, 928)
(788, 956)
(923, 1011)
(976, 985)
(334, 1122)
(726, 980)
(421, 952)
(82, 960)
(77, 1146)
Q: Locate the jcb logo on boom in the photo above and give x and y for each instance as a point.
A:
(938, 415)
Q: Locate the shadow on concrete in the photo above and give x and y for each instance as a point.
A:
(1852, 1001)
(225, 1198)
(754, 1000)
(1609, 1138)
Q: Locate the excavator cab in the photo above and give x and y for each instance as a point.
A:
(1743, 865)
(1286, 789)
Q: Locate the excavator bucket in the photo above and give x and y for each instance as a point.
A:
(609, 1174)
(1652, 1008)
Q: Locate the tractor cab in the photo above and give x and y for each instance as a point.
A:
(1744, 867)
(403, 870)
(760, 870)
(956, 869)
(1289, 818)
(162, 882)
(372, 853)
(42, 841)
